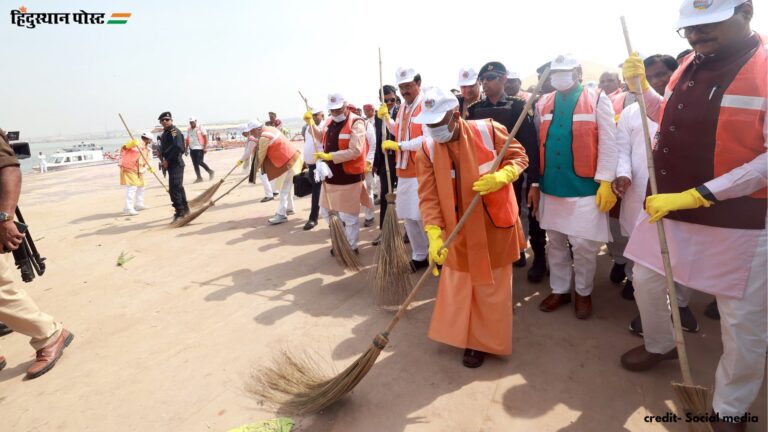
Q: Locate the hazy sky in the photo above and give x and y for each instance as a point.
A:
(227, 60)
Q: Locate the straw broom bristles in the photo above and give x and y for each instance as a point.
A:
(342, 251)
(194, 214)
(206, 195)
(392, 280)
(297, 384)
(694, 400)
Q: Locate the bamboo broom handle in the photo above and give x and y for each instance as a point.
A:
(685, 368)
(142, 154)
(471, 207)
(384, 128)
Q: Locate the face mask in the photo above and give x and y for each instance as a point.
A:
(441, 134)
(339, 118)
(562, 81)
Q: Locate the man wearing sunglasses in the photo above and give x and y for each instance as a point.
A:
(379, 165)
(710, 167)
(408, 141)
(171, 152)
(505, 109)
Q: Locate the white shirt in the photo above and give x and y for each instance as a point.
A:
(370, 135)
(309, 147)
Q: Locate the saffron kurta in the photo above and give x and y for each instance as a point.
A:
(474, 300)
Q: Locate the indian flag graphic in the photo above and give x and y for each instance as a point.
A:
(119, 18)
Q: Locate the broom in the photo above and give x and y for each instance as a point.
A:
(142, 154)
(208, 194)
(296, 382)
(694, 399)
(194, 214)
(392, 280)
(340, 247)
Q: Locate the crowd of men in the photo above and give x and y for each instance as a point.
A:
(577, 162)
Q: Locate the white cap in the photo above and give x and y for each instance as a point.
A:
(434, 104)
(254, 124)
(244, 127)
(335, 101)
(696, 12)
(192, 118)
(564, 62)
(148, 135)
(512, 75)
(404, 75)
(467, 77)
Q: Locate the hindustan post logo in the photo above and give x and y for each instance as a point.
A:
(23, 18)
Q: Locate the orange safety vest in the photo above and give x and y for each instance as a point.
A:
(584, 140)
(501, 205)
(741, 123)
(407, 130)
(357, 165)
(279, 149)
(201, 137)
(130, 159)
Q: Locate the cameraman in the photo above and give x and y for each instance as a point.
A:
(17, 309)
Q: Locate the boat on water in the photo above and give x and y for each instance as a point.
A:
(78, 156)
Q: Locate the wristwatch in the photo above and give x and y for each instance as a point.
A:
(5, 217)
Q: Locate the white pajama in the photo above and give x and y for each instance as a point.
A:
(286, 194)
(351, 225)
(268, 190)
(562, 267)
(134, 197)
(369, 214)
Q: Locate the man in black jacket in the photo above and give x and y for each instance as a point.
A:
(497, 105)
(171, 152)
(379, 165)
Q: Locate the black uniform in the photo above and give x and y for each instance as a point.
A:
(380, 167)
(172, 150)
(506, 111)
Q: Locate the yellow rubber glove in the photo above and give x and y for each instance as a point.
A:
(605, 198)
(324, 156)
(437, 254)
(131, 144)
(383, 112)
(389, 145)
(239, 163)
(659, 205)
(495, 181)
(308, 118)
(633, 68)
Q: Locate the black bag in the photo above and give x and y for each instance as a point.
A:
(302, 185)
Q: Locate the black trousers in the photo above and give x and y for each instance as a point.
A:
(537, 235)
(176, 186)
(314, 212)
(385, 187)
(197, 161)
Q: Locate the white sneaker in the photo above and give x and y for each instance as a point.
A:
(130, 212)
(277, 219)
(141, 207)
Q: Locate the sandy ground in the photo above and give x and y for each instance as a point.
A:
(167, 343)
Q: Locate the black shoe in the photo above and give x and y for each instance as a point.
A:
(176, 218)
(520, 262)
(198, 180)
(333, 254)
(4, 329)
(711, 311)
(406, 240)
(617, 273)
(418, 265)
(687, 320)
(210, 175)
(368, 223)
(275, 194)
(309, 225)
(377, 240)
(636, 326)
(267, 199)
(473, 358)
(538, 269)
(628, 291)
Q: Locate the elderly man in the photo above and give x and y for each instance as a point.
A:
(711, 170)
(610, 84)
(578, 164)
(474, 300)
(278, 159)
(197, 145)
(470, 90)
(408, 140)
(344, 148)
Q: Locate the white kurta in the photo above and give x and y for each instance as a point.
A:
(630, 144)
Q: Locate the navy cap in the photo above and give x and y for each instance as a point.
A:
(166, 114)
(494, 66)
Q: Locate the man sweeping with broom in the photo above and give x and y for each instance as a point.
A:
(711, 170)
(474, 299)
(344, 147)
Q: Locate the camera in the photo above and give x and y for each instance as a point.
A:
(21, 149)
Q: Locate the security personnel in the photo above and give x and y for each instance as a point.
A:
(171, 152)
(497, 105)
